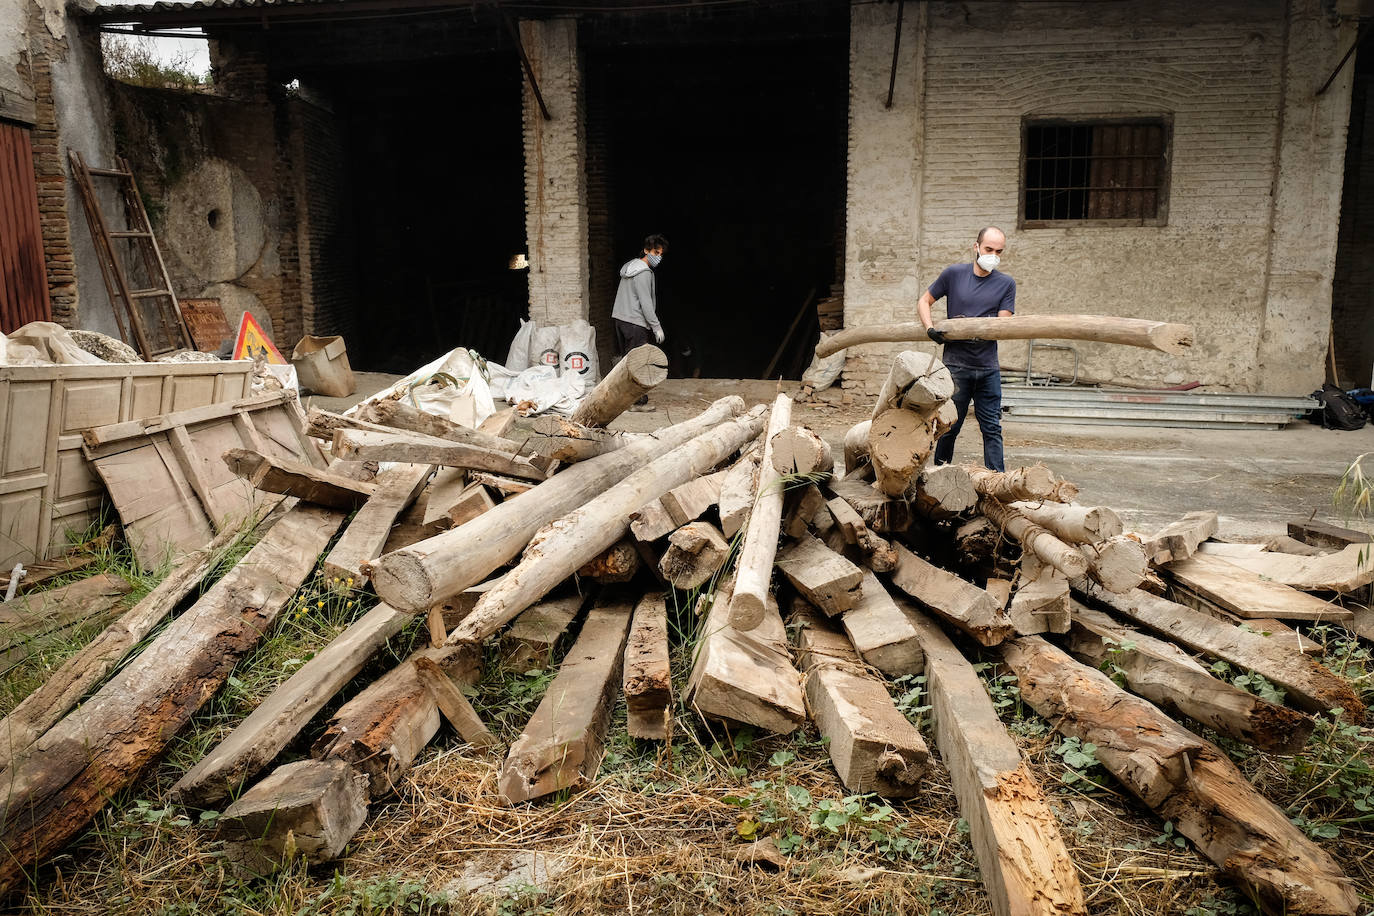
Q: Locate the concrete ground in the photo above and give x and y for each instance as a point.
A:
(1258, 480)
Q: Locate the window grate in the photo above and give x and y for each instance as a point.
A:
(1095, 170)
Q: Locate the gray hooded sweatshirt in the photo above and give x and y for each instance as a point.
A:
(635, 300)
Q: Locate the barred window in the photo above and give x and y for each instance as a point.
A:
(1109, 172)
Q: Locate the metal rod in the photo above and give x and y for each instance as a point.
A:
(524, 59)
(1361, 33)
(896, 47)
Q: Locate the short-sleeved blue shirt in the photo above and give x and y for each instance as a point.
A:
(972, 296)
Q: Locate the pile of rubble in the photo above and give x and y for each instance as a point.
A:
(884, 571)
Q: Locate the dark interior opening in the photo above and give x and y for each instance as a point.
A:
(1352, 292)
(435, 176)
(736, 153)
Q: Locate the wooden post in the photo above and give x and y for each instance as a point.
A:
(648, 678)
(823, 577)
(636, 375)
(361, 445)
(695, 552)
(755, 567)
(881, 633)
(366, 534)
(961, 603)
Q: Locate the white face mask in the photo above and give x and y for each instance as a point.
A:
(989, 262)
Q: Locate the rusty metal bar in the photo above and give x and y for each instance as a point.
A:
(896, 47)
(525, 60)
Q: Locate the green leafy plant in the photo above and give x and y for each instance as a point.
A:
(1078, 758)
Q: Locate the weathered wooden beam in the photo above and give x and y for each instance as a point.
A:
(309, 808)
(695, 552)
(530, 639)
(455, 707)
(821, 575)
(878, 553)
(1186, 780)
(691, 500)
(1325, 534)
(1347, 571)
(26, 620)
(1132, 332)
(417, 448)
(1179, 540)
(880, 513)
(963, 604)
(880, 631)
(648, 678)
(366, 534)
(560, 439)
(1041, 601)
(298, 479)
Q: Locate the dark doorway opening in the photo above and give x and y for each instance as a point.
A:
(1352, 292)
(736, 152)
(435, 177)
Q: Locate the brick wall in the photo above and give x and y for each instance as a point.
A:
(603, 261)
(324, 243)
(555, 175)
(50, 171)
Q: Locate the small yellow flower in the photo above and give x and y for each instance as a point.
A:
(350, 581)
(319, 604)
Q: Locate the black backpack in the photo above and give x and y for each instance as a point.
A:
(1338, 410)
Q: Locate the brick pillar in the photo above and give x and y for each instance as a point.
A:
(883, 202)
(50, 171)
(1306, 206)
(555, 174)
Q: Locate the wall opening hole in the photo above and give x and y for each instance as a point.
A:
(213, 219)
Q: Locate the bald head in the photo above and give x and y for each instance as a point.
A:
(993, 235)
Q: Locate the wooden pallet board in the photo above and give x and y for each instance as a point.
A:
(1247, 594)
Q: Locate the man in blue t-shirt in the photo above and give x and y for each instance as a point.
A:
(974, 290)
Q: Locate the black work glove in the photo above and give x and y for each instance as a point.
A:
(937, 336)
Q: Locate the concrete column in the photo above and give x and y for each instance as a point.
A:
(883, 202)
(555, 174)
(1306, 202)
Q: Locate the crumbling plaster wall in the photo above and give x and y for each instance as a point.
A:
(16, 82)
(555, 174)
(1249, 269)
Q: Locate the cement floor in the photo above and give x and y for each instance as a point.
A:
(1258, 480)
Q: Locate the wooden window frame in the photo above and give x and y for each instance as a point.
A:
(1161, 217)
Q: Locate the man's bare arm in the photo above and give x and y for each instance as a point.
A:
(923, 308)
(1004, 314)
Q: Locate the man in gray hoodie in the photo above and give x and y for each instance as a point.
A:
(636, 300)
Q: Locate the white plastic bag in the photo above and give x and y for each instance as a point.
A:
(518, 356)
(541, 389)
(577, 352)
(544, 348)
(822, 373)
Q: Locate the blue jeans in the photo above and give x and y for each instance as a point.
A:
(984, 388)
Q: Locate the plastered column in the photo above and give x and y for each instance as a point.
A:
(1306, 202)
(555, 174)
(883, 200)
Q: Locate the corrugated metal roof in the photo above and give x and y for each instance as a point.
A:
(135, 9)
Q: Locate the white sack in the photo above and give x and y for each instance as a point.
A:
(544, 348)
(822, 373)
(518, 357)
(540, 389)
(577, 352)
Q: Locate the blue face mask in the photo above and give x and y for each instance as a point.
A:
(653, 259)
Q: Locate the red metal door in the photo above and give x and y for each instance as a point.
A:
(23, 279)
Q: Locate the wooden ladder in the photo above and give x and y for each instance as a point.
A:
(157, 303)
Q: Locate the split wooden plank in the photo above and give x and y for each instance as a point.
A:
(455, 707)
(530, 639)
(963, 604)
(695, 552)
(754, 570)
(1309, 685)
(636, 375)
(70, 773)
(506, 486)
(363, 445)
(1025, 866)
(651, 521)
(1273, 629)
(366, 534)
(1348, 570)
(1186, 780)
(737, 489)
(1247, 594)
(417, 577)
(648, 678)
(873, 746)
(1179, 540)
(1165, 675)
(309, 808)
(746, 676)
(444, 490)
(823, 577)
(257, 740)
(1041, 602)
(879, 513)
(1131, 332)
(880, 631)
(298, 479)
(1325, 534)
(562, 744)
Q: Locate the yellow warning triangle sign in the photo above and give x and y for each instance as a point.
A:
(253, 343)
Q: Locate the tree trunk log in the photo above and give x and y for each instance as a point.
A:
(1072, 523)
(878, 554)
(798, 450)
(415, 578)
(1186, 780)
(417, 448)
(1033, 483)
(1035, 539)
(856, 447)
(917, 382)
(737, 491)
(580, 535)
(1118, 564)
(754, 571)
(944, 492)
(636, 375)
(560, 439)
(391, 416)
(899, 444)
(1131, 332)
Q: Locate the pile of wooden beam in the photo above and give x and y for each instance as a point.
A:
(517, 539)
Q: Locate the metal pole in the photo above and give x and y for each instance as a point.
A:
(896, 46)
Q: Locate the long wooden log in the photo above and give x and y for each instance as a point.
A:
(1034, 483)
(1130, 332)
(1309, 685)
(67, 776)
(961, 603)
(366, 534)
(401, 415)
(1024, 864)
(917, 382)
(415, 578)
(417, 448)
(563, 440)
(1165, 675)
(636, 375)
(873, 746)
(1186, 780)
(944, 492)
(580, 535)
(278, 719)
(880, 631)
(755, 566)
(296, 478)
(1118, 564)
(1032, 537)
(1072, 523)
(562, 744)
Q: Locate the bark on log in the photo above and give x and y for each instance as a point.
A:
(366, 534)
(417, 448)
(69, 773)
(1166, 676)
(633, 377)
(899, 444)
(298, 479)
(1130, 332)
(1310, 686)
(617, 563)
(961, 603)
(943, 492)
(1035, 539)
(648, 680)
(1025, 867)
(873, 746)
(881, 633)
(560, 439)
(695, 552)
(823, 577)
(580, 535)
(1179, 540)
(417, 577)
(1034, 483)
(1118, 564)
(279, 718)
(400, 415)
(562, 744)
(1072, 523)
(754, 570)
(1186, 780)
(856, 447)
